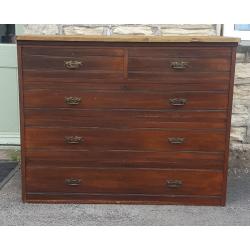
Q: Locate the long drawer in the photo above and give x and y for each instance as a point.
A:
(124, 99)
(176, 119)
(128, 85)
(124, 181)
(123, 158)
(125, 139)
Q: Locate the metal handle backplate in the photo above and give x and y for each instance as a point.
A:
(177, 101)
(73, 139)
(174, 183)
(179, 65)
(176, 140)
(72, 64)
(72, 100)
(73, 182)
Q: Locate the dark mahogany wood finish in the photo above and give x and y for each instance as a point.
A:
(125, 122)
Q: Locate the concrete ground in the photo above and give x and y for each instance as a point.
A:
(14, 212)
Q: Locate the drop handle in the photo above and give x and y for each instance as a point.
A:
(72, 100)
(174, 183)
(176, 140)
(179, 65)
(72, 64)
(72, 182)
(177, 101)
(73, 139)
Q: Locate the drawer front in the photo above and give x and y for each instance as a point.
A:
(179, 64)
(126, 118)
(180, 77)
(124, 181)
(125, 139)
(128, 85)
(125, 100)
(125, 159)
(71, 64)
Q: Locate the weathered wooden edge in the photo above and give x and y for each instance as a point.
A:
(126, 38)
(21, 109)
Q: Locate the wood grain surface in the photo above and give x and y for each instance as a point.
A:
(135, 120)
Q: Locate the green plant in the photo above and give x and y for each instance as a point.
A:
(15, 155)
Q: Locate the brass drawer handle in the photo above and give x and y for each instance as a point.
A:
(176, 140)
(72, 100)
(178, 101)
(73, 182)
(179, 65)
(174, 183)
(73, 139)
(72, 64)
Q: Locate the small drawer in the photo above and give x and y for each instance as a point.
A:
(43, 98)
(71, 64)
(125, 139)
(124, 181)
(179, 64)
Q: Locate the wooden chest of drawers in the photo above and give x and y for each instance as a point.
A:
(142, 120)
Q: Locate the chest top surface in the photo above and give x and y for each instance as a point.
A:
(129, 38)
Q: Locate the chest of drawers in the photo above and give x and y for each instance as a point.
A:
(136, 120)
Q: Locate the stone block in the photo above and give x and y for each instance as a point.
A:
(133, 30)
(242, 71)
(238, 134)
(240, 57)
(42, 29)
(239, 120)
(83, 30)
(240, 109)
(188, 29)
(242, 94)
(239, 158)
(188, 26)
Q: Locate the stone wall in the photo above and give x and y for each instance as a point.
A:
(240, 133)
(125, 29)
